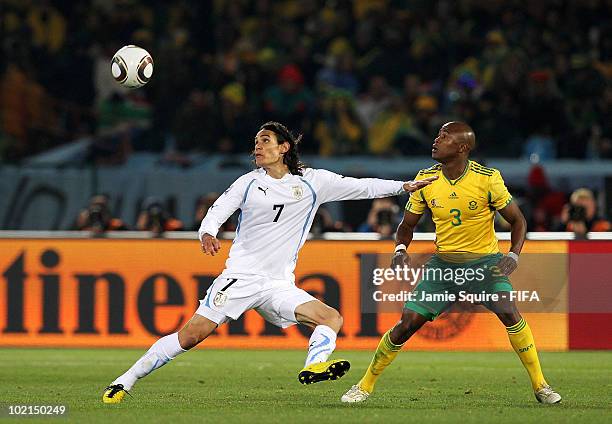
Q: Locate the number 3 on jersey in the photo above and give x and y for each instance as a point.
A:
(280, 209)
(456, 217)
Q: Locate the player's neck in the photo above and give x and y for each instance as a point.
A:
(454, 168)
(277, 170)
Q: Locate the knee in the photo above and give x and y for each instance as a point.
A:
(191, 335)
(405, 328)
(187, 340)
(507, 312)
(509, 318)
(332, 319)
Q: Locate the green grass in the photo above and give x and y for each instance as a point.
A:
(261, 386)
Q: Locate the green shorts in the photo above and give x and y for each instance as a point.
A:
(441, 279)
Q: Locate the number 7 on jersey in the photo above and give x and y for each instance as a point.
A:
(280, 209)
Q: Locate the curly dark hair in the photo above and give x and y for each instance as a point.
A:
(291, 158)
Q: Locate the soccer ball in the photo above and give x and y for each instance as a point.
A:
(132, 66)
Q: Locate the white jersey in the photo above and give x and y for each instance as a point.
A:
(276, 215)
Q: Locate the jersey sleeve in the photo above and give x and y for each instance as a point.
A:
(333, 187)
(224, 207)
(416, 202)
(499, 196)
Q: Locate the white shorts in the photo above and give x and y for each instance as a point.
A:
(229, 296)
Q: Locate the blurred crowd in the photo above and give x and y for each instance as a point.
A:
(372, 77)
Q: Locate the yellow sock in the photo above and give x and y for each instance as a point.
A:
(522, 341)
(384, 355)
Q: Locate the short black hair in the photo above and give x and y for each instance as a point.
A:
(291, 158)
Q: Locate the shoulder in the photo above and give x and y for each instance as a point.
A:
(429, 172)
(242, 182)
(250, 176)
(314, 173)
(310, 172)
(484, 171)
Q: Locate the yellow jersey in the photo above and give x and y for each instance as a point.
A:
(463, 210)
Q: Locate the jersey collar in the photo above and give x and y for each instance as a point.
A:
(288, 176)
(465, 171)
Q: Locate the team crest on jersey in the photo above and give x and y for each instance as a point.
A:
(434, 204)
(220, 299)
(472, 205)
(298, 192)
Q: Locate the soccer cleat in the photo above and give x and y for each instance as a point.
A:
(114, 393)
(354, 395)
(547, 395)
(322, 371)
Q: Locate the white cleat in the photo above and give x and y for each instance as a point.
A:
(547, 395)
(354, 395)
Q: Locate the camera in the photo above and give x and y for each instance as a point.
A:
(384, 217)
(97, 217)
(577, 213)
(157, 217)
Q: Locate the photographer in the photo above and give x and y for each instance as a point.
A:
(382, 218)
(154, 217)
(580, 215)
(323, 222)
(203, 203)
(97, 218)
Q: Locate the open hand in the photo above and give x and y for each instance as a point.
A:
(411, 186)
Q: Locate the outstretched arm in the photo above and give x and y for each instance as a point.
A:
(518, 231)
(338, 187)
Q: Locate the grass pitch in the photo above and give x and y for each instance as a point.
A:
(261, 386)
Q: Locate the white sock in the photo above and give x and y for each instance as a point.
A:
(321, 344)
(158, 355)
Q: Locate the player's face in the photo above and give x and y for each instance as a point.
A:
(267, 150)
(446, 145)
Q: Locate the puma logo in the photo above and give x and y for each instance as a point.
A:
(264, 190)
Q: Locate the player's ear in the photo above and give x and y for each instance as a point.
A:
(284, 147)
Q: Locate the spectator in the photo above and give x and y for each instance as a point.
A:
(544, 202)
(425, 122)
(338, 129)
(374, 101)
(390, 131)
(155, 218)
(48, 26)
(339, 70)
(383, 218)
(203, 203)
(196, 126)
(236, 122)
(580, 214)
(288, 100)
(97, 217)
(323, 223)
(123, 122)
